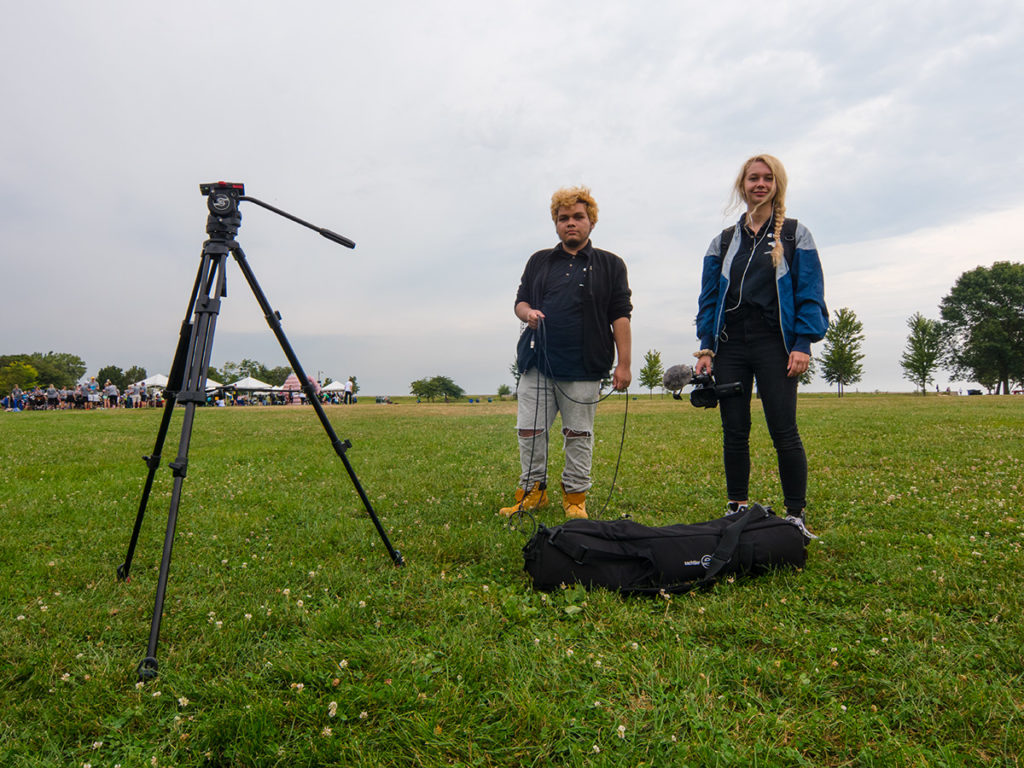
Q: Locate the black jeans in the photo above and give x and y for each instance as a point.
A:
(754, 350)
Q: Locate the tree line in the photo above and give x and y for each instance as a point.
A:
(65, 370)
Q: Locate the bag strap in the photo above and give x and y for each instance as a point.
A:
(788, 240)
(727, 545)
(723, 554)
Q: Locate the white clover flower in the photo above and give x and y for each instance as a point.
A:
(182, 701)
(621, 731)
(332, 709)
(363, 715)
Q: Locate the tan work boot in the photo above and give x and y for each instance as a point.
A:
(536, 498)
(574, 504)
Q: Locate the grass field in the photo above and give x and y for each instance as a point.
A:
(289, 638)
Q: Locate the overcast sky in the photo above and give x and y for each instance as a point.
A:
(433, 134)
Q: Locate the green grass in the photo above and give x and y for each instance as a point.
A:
(289, 638)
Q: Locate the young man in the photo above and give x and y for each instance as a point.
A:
(575, 302)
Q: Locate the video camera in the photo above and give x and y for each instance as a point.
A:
(706, 393)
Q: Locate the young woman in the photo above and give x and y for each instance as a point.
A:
(761, 305)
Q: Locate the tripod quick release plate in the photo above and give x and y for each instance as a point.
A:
(223, 186)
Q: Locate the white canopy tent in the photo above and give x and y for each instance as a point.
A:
(334, 386)
(157, 380)
(250, 383)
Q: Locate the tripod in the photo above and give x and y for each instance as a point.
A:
(187, 379)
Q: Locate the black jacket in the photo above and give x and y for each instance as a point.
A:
(606, 299)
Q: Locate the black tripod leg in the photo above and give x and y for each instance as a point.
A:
(170, 392)
(274, 320)
(153, 460)
(193, 392)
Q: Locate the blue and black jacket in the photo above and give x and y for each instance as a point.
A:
(800, 291)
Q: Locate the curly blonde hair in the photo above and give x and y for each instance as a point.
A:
(566, 197)
(778, 200)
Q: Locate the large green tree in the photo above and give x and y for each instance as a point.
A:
(133, 374)
(653, 371)
(983, 325)
(114, 374)
(436, 387)
(841, 359)
(924, 348)
(17, 373)
(59, 368)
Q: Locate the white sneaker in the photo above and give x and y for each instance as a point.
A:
(798, 521)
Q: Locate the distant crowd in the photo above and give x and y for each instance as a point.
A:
(88, 396)
(92, 395)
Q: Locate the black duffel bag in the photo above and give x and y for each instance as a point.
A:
(631, 558)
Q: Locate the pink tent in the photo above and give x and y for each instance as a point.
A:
(292, 384)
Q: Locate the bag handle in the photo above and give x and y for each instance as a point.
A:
(578, 553)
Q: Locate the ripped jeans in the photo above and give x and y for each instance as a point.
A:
(540, 399)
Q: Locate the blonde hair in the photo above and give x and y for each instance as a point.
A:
(567, 197)
(778, 200)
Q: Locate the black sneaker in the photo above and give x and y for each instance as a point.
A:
(733, 507)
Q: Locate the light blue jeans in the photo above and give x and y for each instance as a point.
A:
(540, 399)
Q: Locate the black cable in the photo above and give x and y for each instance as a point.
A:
(544, 363)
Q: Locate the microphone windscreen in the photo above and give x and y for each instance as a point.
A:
(677, 377)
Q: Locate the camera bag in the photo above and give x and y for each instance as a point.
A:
(631, 558)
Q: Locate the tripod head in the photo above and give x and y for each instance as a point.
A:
(225, 218)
